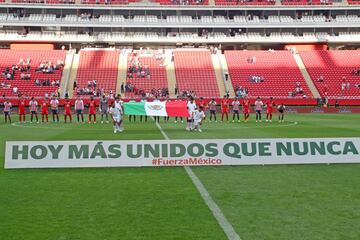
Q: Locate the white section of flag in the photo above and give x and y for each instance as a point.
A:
(155, 109)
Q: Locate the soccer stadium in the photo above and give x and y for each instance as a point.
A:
(179, 119)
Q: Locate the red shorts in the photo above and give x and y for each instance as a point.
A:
(269, 110)
(67, 113)
(45, 112)
(92, 111)
(22, 112)
(246, 111)
(224, 110)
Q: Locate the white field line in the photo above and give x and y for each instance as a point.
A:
(216, 211)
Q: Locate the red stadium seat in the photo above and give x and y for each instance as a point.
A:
(194, 71)
(27, 87)
(157, 79)
(99, 65)
(333, 65)
(279, 69)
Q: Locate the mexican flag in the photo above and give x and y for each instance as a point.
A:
(171, 109)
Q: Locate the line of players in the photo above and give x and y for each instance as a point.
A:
(53, 104)
(197, 113)
(79, 107)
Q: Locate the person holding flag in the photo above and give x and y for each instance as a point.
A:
(191, 107)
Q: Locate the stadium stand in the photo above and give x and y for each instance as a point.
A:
(182, 2)
(155, 80)
(334, 66)
(266, 73)
(245, 2)
(194, 71)
(9, 58)
(98, 65)
(307, 2)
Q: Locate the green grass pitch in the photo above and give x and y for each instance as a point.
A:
(261, 202)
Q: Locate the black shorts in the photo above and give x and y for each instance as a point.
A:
(7, 114)
(54, 111)
(281, 111)
(258, 112)
(212, 111)
(78, 112)
(236, 111)
(33, 113)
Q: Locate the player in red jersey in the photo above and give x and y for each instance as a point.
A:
(67, 110)
(269, 109)
(92, 109)
(22, 111)
(225, 108)
(246, 109)
(45, 110)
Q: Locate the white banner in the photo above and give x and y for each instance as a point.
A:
(67, 154)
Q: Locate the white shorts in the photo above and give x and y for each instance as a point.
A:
(117, 119)
(197, 122)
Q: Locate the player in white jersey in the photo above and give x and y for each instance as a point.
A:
(116, 115)
(119, 105)
(191, 107)
(199, 115)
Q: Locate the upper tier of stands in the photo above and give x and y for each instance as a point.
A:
(333, 66)
(8, 58)
(188, 2)
(279, 70)
(155, 80)
(194, 71)
(99, 65)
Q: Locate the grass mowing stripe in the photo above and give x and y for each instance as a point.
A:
(214, 208)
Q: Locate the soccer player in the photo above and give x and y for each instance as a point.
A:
(104, 108)
(258, 109)
(119, 105)
(92, 110)
(199, 115)
(157, 118)
(132, 116)
(235, 109)
(281, 109)
(141, 116)
(7, 110)
(54, 105)
(246, 109)
(212, 107)
(79, 108)
(45, 110)
(22, 111)
(167, 118)
(33, 107)
(178, 99)
(116, 115)
(269, 109)
(225, 108)
(202, 103)
(67, 110)
(191, 106)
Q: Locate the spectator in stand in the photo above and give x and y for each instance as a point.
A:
(343, 84)
(15, 90)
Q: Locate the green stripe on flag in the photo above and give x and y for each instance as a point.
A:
(134, 108)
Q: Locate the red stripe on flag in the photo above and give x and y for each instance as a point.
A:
(176, 109)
